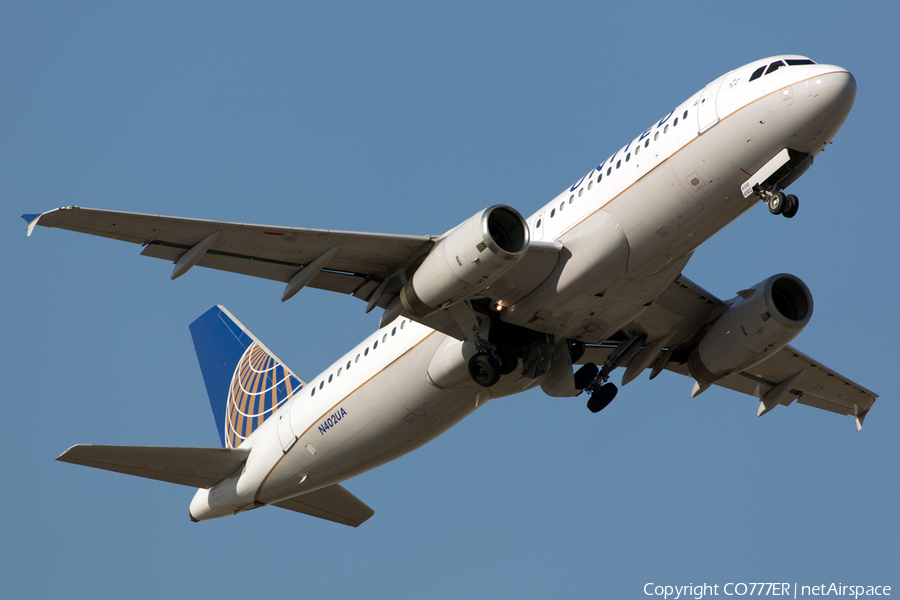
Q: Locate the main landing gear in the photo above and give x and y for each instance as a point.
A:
(491, 361)
(779, 203)
(596, 381)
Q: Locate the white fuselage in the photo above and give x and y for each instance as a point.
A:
(630, 226)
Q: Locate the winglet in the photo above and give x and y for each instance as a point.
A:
(33, 219)
(860, 419)
(32, 222)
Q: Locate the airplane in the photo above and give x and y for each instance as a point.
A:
(500, 304)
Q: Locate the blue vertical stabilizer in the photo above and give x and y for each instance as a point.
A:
(245, 381)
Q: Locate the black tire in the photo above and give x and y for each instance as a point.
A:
(602, 397)
(585, 375)
(484, 369)
(776, 203)
(791, 205)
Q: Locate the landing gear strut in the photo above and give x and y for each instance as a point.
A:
(601, 391)
(491, 360)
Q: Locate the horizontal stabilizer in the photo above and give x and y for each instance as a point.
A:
(332, 503)
(194, 467)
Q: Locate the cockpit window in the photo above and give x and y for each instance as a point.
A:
(791, 62)
(775, 66)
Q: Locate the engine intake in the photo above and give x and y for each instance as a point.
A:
(467, 259)
(758, 323)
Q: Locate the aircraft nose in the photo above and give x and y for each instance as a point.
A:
(834, 92)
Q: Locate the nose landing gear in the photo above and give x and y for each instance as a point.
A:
(779, 203)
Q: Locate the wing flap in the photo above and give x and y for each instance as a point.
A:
(194, 467)
(344, 283)
(258, 250)
(685, 307)
(333, 503)
(819, 386)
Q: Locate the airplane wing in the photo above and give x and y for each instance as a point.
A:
(685, 307)
(369, 266)
(332, 503)
(193, 467)
(277, 253)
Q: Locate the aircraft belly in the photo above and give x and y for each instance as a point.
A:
(387, 430)
(385, 439)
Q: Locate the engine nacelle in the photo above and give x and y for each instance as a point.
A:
(759, 322)
(466, 260)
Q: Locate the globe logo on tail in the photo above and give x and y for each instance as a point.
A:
(259, 385)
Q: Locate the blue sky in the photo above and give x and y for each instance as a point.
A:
(409, 118)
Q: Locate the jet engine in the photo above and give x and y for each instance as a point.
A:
(467, 259)
(757, 324)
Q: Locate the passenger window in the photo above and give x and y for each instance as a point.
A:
(552, 213)
(313, 392)
(375, 345)
(384, 339)
(618, 163)
(330, 377)
(675, 123)
(599, 177)
(666, 129)
(628, 157)
(590, 185)
(394, 331)
(684, 116)
(655, 136)
(647, 142)
(608, 171)
(538, 224)
(366, 352)
(580, 193)
(321, 384)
